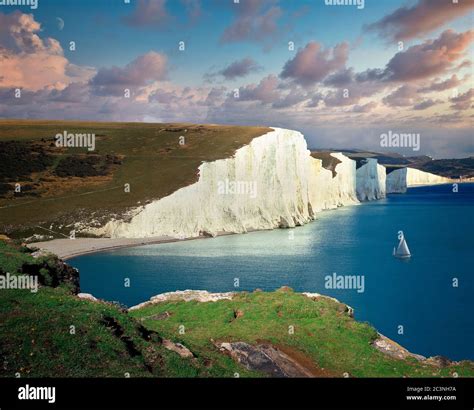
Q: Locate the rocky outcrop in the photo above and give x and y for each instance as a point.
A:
(393, 349)
(178, 348)
(313, 295)
(186, 296)
(265, 358)
(87, 296)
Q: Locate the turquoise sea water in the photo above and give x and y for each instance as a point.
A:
(418, 294)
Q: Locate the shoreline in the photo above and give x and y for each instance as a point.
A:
(67, 249)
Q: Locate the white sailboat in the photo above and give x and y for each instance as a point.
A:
(402, 250)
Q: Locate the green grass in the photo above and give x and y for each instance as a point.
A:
(36, 338)
(154, 164)
(107, 341)
(11, 259)
(323, 332)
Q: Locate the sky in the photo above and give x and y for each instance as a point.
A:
(342, 74)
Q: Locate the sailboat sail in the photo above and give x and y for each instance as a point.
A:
(402, 250)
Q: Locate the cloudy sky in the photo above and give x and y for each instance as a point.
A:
(342, 75)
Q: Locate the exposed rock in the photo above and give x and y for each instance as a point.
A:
(393, 349)
(160, 316)
(182, 350)
(38, 238)
(186, 295)
(439, 361)
(87, 296)
(285, 289)
(348, 309)
(265, 358)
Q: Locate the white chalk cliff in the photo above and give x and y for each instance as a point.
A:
(281, 185)
(370, 183)
(272, 182)
(399, 180)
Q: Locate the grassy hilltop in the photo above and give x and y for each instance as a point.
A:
(65, 185)
(108, 341)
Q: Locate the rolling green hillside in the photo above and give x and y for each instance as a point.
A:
(65, 185)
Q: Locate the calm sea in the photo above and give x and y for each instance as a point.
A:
(424, 303)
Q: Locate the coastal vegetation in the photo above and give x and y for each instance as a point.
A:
(53, 332)
(132, 164)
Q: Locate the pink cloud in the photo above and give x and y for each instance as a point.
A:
(138, 73)
(18, 33)
(433, 57)
(463, 101)
(402, 97)
(425, 16)
(365, 108)
(256, 21)
(423, 105)
(312, 63)
(31, 62)
(266, 91)
(447, 84)
(33, 71)
(240, 68)
(149, 13)
(155, 14)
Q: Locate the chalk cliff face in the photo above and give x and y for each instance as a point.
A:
(271, 182)
(371, 178)
(328, 192)
(399, 180)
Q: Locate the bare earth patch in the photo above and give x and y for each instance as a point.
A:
(272, 360)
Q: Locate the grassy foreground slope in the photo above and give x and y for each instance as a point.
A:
(324, 338)
(37, 338)
(64, 185)
(53, 333)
